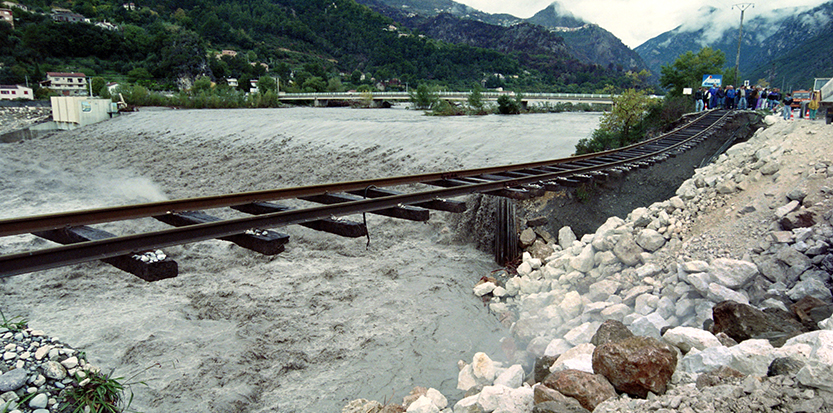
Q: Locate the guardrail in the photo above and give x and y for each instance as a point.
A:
(443, 95)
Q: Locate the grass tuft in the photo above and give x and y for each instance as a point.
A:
(16, 323)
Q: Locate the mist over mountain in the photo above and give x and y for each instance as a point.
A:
(588, 43)
(786, 47)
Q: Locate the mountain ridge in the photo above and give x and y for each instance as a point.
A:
(589, 43)
(772, 47)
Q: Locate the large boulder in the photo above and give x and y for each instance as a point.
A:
(743, 322)
(686, 338)
(548, 400)
(610, 331)
(627, 251)
(577, 358)
(750, 357)
(566, 237)
(650, 240)
(731, 273)
(636, 365)
(589, 389)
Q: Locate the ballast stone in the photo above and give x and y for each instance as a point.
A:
(13, 380)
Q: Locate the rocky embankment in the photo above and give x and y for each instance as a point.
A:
(716, 300)
(15, 118)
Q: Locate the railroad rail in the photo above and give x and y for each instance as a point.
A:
(141, 254)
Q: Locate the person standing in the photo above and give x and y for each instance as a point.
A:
(730, 97)
(713, 97)
(721, 98)
(773, 99)
(698, 100)
(787, 110)
(814, 104)
(742, 100)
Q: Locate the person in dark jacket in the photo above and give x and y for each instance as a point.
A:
(698, 100)
(713, 97)
(787, 110)
(721, 98)
(730, 97)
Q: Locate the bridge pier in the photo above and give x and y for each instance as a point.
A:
(380, 103)
(321, 103)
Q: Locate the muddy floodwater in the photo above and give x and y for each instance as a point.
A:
(328, 320)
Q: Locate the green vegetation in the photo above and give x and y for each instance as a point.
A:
(689, 68)
(424, 97)
(100, 393)
(618, 127)
(307, 45)
(16, 323)
(635, 116)
(475, 100)
(508, 106)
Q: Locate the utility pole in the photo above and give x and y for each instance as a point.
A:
(742, 7)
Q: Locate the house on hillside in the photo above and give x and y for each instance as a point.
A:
(11, 4)
(107, 25)
(7, 16)
(64, 15)
(67, 84)
(12, 92)
(226, 52)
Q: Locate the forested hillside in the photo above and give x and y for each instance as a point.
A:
(786, 48)
(306, 43)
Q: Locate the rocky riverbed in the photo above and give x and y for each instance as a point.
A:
(15, 118)
(716, 300)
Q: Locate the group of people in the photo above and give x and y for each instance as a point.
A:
(754, 98)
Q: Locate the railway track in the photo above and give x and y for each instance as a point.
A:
(141, 254)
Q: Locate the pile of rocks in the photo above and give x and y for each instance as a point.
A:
(649, 310)
(36, 369)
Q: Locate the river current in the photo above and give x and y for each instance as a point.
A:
(328, 320)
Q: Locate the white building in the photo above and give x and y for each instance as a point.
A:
(7, 16)
(12, 92)
(67, 84)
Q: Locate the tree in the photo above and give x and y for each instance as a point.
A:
(475, 99)
(628, 110)
(356, 77)
(334, 85)
(424, 97)
(266, 84)
(97, 83)
(202, 84)
(508, 106)
(689, 68)
(315, 84)
(137, 74)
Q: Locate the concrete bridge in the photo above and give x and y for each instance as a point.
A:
(379, 98)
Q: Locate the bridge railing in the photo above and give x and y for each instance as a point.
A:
(446, 95)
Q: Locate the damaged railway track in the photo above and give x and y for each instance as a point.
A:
(141, 254)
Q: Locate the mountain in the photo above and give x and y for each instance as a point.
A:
(311, 45)
(588, 43)
(786, 47)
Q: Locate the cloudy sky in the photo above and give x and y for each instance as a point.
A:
(635, 21)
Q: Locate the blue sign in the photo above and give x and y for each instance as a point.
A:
(712, 80)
